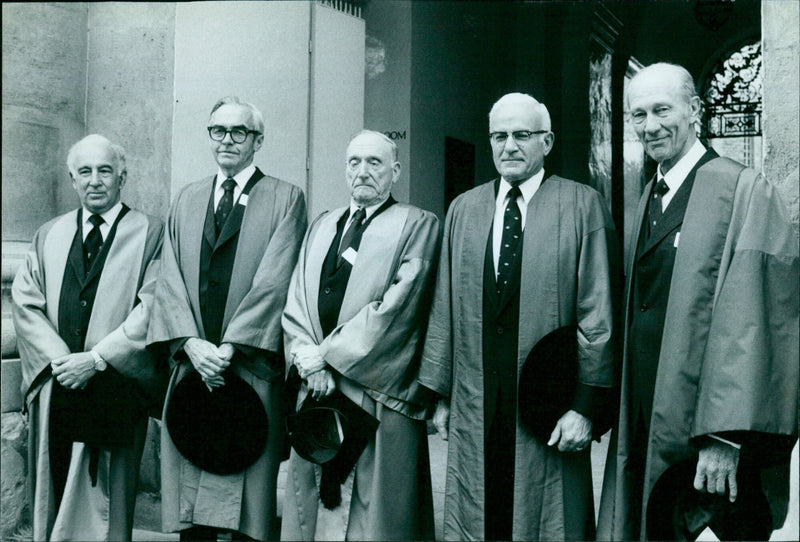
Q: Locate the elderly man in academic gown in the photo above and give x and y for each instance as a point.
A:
(353, 324)
(708, 411)
(81, 303)
(521, 256)
(231, 243)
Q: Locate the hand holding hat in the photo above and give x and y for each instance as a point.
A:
(205, 357)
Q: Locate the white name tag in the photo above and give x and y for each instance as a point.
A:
(677, 238)
(243, 200)
(350, 255)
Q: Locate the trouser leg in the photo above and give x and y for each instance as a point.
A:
(499, 468)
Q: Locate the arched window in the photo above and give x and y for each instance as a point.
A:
(732, 96)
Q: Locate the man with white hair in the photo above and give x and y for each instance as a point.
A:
(521, 256)
(81, 304)
(708, 412)
(231, 243)
(353, 326)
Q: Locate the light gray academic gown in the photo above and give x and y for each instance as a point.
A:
(269, 239)
(374, 352)
(117, 330)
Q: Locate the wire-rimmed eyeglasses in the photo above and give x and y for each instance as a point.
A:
(520, 136)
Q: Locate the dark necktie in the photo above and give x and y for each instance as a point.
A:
(512, 232)
(94, 241)
(225, 204)
(655, 211)
(350, 235)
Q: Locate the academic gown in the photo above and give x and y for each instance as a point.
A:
(732, 321)
(566, 278)
(374, 353)
(117, 330)
(272, 227)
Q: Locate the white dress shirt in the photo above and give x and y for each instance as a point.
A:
(108, 220)
(369, 210)
(678, 173)
(528, 189)
(240, 178)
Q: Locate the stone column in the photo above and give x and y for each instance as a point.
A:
(780, 21)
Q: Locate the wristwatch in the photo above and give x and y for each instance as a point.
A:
(99, 363)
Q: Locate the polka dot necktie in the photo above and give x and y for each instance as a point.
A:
(655, 210)
(512, 233)
(94, 241)
(225, 204)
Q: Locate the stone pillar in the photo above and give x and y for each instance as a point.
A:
(780, 21)
(44, 96)
(130, 95)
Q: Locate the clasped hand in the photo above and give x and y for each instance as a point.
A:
(313, 369)
(73, 371)
(209, 360)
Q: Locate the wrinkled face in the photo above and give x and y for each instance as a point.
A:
(663, 117)
(230, 156)
(371, 169)
(514, 159)
(96, 177)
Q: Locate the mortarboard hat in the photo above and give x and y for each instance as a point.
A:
(333, 432)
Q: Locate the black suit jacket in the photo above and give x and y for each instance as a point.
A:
(652, 274)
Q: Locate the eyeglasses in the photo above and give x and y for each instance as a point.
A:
(520, 136)
(238, 133)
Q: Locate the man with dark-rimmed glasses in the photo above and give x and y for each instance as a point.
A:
(231, 243)
(521, 256)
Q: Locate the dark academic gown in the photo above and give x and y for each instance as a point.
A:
(566, 277)
(228, 288)
(711, 342)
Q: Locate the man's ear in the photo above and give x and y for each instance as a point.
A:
(396, 169)
(695, 108)
(549, 139)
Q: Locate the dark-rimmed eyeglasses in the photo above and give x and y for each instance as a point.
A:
(520, 136)
(238, 133)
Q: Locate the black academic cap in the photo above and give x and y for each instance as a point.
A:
(223, 431)
(677, 511)
(548, 381)
(333, 432)
(321, 428)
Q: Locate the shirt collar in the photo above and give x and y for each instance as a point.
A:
(108, 217)
(527, 187)
(240, 178)
(675, 176)
(369, 209)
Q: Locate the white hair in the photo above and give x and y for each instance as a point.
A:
(96, 139)
(539, 109)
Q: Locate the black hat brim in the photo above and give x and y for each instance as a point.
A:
(548, 381)
(223, 431)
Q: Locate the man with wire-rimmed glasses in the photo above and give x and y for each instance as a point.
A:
(231, 244)
(522, 256)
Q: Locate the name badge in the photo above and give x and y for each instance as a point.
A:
(243, 200)
(350, 255)
(677, 239)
